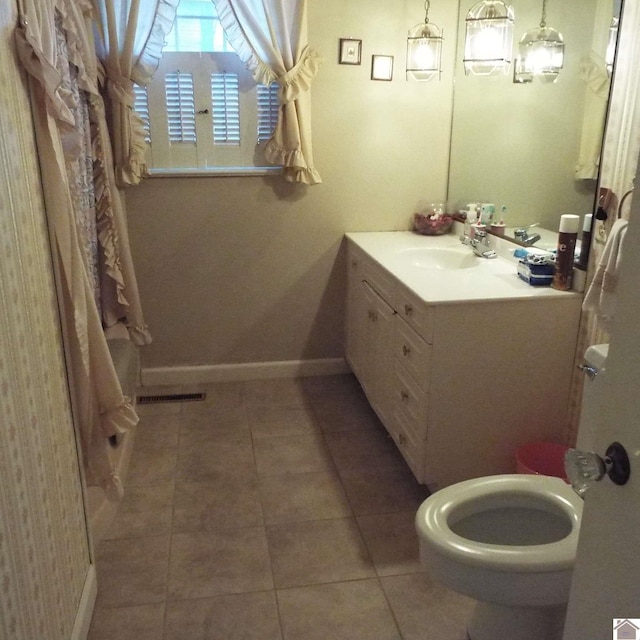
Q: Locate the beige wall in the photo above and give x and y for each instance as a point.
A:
(251, 269)
(44, 554)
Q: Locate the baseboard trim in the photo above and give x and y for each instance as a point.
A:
(87, 603)
(154, 376)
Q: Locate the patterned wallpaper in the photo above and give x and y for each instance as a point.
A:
(44, 553)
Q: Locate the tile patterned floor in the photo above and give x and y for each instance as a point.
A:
(273, 510)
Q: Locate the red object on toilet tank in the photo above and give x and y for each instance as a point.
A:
(542, 458)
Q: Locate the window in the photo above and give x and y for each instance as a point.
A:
(203, 110)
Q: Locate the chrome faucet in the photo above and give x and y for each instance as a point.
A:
(480, 244)
(522, 235)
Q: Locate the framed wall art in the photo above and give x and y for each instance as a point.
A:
(381, 67)
(350, 51)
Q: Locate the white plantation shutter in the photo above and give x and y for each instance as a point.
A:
(181, 109)
(268, 108)
(141, 107)
(206, 113)
(225, 102)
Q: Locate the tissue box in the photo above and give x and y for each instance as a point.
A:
(537, 275)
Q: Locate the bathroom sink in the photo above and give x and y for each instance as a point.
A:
(439, 258)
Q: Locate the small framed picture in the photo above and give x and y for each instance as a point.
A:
(350, 51)
(381, 67)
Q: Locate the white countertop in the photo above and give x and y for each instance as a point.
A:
(489, 280)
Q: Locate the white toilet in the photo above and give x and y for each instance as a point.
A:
(509, 542)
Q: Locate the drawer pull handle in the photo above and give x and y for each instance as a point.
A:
(354, 264)
(405, 350)
(408, 309)
(401, 438)
(404, 396)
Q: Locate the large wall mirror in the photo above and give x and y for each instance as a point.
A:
(534, 147)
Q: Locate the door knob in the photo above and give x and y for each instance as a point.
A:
(584, 468)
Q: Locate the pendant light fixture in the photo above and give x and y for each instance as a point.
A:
(488, 38)
(541, 51)
(424, 49)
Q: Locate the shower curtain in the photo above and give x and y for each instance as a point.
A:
(96, 282)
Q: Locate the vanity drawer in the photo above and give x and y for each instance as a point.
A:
(415, 313)
(364, 268)
(410, 402)
(413, 450)
(413, 352)
(380, 282)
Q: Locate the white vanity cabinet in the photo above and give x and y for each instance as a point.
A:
(459, 385)
(370, 332)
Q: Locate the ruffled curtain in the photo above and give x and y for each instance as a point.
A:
(270, 37)
(622, 138)
(594, 73)
(129, 39)
(55, 46)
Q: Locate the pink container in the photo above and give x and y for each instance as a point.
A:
(542, 458)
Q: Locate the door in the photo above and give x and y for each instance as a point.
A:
(606, 582)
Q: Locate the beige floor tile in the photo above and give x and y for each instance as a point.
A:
(342, 611)
(132, 571)
(347, 412)
(310, 496)
(245, 616)
(150, 467)
(318, 551)
(282, 421)
(218, 563)
(143, 511)
(230, 502)
(157, 432)
(361, 451)
(392, 541)
(323, 456)
(383, 490)
(216, 423)
(202, 459)
(328, 386)
(274, 392)
(142, 622)
(291, 454)
(427, 611)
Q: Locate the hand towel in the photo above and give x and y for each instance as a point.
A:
(601, 296)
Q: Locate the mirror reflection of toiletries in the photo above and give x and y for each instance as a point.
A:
(518, 145)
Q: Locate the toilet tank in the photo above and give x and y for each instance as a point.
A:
(595, 358)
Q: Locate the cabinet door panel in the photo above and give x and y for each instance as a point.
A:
(357, 319)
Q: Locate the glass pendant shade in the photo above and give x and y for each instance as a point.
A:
(488, 38)
(541, 52)
(424, 52)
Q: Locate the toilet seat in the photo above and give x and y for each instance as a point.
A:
(442, 510)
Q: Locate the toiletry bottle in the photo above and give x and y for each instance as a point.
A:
(567, 236)
(499, 227)
(469, 223)
(585, 241)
